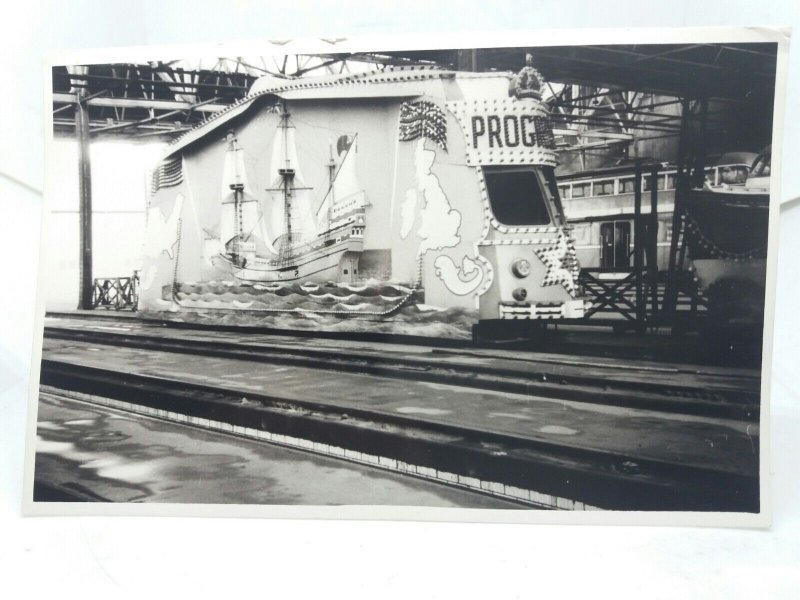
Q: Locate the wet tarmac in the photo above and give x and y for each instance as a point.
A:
(121, 457)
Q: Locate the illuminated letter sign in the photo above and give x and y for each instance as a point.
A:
(506, 131)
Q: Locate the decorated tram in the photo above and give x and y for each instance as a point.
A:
(431, 187)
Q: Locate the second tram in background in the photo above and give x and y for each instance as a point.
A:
(723, 237)
(599, 204)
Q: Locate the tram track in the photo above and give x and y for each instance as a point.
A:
(650, 387)
(534, 470)
(526, 338)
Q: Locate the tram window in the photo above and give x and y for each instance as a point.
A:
(603, 188)
(563, 191)
(579, 190)
(671, 181)
(556, 208)
(517, 196)
(627, 186)
(648, 183)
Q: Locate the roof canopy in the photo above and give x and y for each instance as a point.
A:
(725, 71)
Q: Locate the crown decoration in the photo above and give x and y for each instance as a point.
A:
(528, 82)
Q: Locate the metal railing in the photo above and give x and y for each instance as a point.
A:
(119, 293)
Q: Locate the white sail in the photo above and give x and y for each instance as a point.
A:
(345, 193)
(241, 216)
(276, 223)
(232, 175)
(294, 194)
(304, 226)
(263, 234)
(284, 151)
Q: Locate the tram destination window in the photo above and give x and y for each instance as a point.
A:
(517, 197)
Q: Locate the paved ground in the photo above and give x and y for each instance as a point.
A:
(666, 373)
(720, 444)
(132, 458)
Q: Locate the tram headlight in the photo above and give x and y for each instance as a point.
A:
(519, 294)
(521, 268)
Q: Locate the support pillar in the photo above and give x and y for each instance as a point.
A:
(682, 186)
(638, 248)
(86, 282)
(652, 262)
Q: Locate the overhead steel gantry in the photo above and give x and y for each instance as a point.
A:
(601, 96)
(164, 99)
(158, 100)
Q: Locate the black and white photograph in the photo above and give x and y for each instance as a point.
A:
(501, 280)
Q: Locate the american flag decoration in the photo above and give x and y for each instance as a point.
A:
(423, 119)
(562, 263)
(168, 174)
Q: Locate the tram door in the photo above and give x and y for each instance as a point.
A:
(615, 245)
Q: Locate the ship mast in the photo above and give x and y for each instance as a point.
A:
(334, 171)
(237, 186)
(331, 179)
(287, 178)
(284, 157)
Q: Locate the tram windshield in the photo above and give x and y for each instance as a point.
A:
(520, 196)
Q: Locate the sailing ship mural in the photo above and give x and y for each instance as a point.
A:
(398, 195)
(294, 235)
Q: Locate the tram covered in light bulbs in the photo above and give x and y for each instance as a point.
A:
(436, 182)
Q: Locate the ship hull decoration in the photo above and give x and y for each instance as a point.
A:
(429, 179)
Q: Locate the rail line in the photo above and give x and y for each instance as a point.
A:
(572, 341)
(668, 389)
(534, 471)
